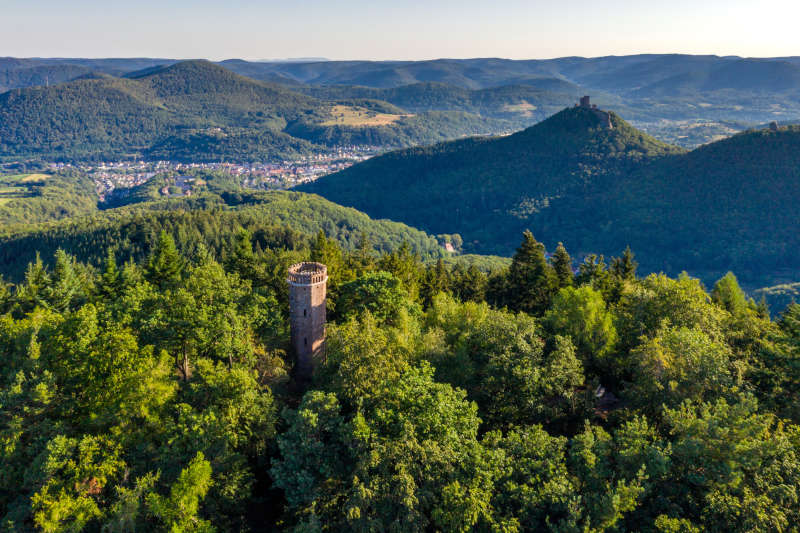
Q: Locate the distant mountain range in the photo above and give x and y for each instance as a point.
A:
(199, 111)
(644, 74)
(732, 204)
(684, 99)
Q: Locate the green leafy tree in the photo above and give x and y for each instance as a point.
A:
(74, 474)
(682, 302)
(499, 358)
(380, 293)
(392, 465)
(732, 468)
(581, 314)
(180, 511)
(680, 364)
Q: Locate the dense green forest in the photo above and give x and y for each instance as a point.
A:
(687, 99)
(31, 198)
(198, 111)
(729, 205)
(279, 219)
(520, 104)
(157, 394)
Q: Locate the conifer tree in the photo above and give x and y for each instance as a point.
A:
(165, 265)
(32, 291)
(65, 284)
(562, 265)
(405, 265)
(531, 281)
(5, 295)
(242, 259)
(110, 278)
(437, 279)
(361, 260)
(475, 285)
(729, 295)
(625, 267)
(328, 252)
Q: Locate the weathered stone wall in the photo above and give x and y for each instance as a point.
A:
(307, 294)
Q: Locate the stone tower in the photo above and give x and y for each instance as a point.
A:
(307, 286)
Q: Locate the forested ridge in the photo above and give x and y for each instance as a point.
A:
(276, 219)
(157, 393)
(728, 205)
(197, 111)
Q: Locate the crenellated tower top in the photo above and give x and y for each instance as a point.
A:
(307, 273)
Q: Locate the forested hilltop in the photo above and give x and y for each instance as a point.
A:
(685, 99)
(729, 205)
(198, 111)
(156, 394)
(278, 219)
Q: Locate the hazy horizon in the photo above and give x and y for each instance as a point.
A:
(398, 60)
(415, 30)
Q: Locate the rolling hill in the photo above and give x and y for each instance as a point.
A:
(732, 204)
(275, 219)
(522, 105)
(685, 99)
(199, 111)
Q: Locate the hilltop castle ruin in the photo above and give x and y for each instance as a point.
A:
(604, 116)
(307, 298)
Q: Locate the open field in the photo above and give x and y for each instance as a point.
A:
(12, 192)
(15, 186)
(524, 108)
(29, 178)
(345, 115)
(9, 179)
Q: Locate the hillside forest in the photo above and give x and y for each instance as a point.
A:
(157, 393)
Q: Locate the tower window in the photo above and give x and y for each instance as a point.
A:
(304, 312)
(305, 341)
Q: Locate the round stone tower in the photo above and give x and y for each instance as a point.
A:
(307, 285)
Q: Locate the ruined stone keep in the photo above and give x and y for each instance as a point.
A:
(307, 293)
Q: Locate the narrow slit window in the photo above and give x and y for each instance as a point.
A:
(305, 341)
(304, 312)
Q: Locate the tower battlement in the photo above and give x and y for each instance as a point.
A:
(307, 300)
(307, 273)
(605, 117)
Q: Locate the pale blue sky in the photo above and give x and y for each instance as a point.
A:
(402, 29)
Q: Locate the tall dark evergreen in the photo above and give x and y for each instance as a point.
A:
(625, 267)
(562, 266)
(110, 279)
(531, 280)
(65, 287)
(165, 265)
(437, 280)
